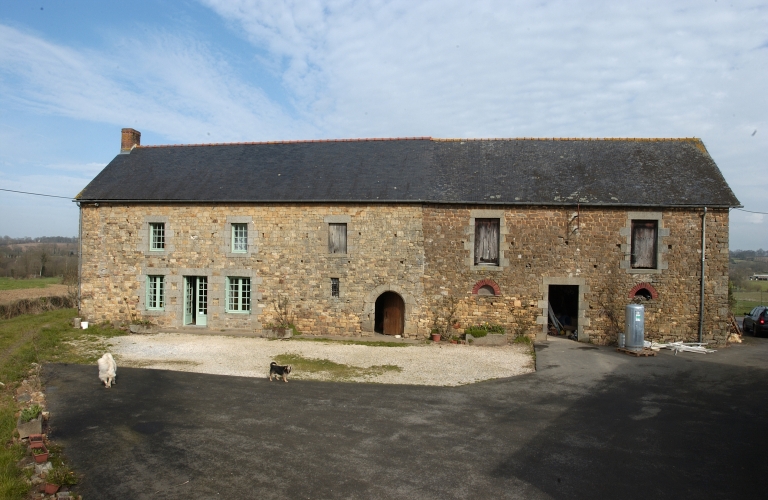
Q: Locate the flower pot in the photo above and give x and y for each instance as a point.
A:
(50, 489)
(435, 337)
(39, 457)
(454, 342)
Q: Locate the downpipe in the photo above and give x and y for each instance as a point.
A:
(703, 254)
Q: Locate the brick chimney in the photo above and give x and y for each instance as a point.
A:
(130, 139)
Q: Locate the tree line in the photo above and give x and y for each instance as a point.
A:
(45, 256)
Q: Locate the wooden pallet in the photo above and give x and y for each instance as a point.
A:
(734, 324)
(637, 354)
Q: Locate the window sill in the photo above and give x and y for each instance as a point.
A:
(644, 271)
(242, 313)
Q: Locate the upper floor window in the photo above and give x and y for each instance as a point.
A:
(238, 295)
(644, 244)
(239, 238)
(337, 238)
(155, 292)
(487, 242)
(335, 287)
(157, 236)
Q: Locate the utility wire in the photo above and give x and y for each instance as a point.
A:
(38, 194)
(750, 211)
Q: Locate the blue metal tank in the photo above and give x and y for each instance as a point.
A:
(634, 327)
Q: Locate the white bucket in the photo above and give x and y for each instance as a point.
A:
(84, 324)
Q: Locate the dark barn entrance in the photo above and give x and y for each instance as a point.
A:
(390, 314)
(564, 304)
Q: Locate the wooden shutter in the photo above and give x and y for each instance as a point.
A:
(337, 238)
(487, 241)
(644, 238)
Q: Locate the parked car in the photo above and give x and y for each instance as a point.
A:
(756, 321)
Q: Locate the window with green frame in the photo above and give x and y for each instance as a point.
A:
(239, 238)
(155, 293)
(238, 295)
(157, 236)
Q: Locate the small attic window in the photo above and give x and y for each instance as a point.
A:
(337, 238)
(157, 236)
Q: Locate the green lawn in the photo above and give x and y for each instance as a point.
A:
(14, 284)
(40, 338)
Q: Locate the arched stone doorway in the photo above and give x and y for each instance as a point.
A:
(390, 314)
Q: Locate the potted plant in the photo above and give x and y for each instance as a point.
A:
(58, 477)
(39, 452)
(30, 421)
(435, 334)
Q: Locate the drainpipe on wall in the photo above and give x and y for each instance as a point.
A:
(79, 257)
(703, 248)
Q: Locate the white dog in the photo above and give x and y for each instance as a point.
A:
(107, 370)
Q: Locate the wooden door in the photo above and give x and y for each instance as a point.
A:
(394, 314)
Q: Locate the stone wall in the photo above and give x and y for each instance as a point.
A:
(586, 247)
(288, 257)
(422, 252)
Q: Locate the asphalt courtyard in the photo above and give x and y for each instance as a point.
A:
(590, 423)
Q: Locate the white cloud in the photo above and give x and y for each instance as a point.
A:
(168, 84)
(451, 68)
(755, 218)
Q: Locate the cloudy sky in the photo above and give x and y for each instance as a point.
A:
(73, 73)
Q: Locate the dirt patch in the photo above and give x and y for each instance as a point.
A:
(10, 296)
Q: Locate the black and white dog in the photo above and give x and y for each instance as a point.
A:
(279, 371)
(107, 370)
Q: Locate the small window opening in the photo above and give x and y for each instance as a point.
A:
(644, 244)
(334, 287)
(644, 293)
(487, 242)
(157, 236)
(486, 290)
(337, 238)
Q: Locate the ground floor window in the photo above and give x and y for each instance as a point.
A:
(155, 292)
(238, 295)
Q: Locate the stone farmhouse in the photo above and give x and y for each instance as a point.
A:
(397, 236)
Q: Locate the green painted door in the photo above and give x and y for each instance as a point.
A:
(202, 301)
(196, 300)
(189, 300)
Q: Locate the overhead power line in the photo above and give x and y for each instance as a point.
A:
(752, 212)
(37, 194)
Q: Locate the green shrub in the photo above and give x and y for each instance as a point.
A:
(62, 475)
(30, 413)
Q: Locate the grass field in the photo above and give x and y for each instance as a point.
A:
(41, 338)
(14, 284)
(754, 294)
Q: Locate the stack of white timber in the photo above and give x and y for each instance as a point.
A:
(680, 346)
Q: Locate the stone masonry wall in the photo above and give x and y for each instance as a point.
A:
(585, 247)
(421, 252)
(288, 257)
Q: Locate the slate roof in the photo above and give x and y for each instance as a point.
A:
(621, 172)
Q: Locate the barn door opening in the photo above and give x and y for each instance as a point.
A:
(196, 300)
(564, 306)
(390, 314)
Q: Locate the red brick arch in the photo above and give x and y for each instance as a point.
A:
(640, 286)
(490, 283)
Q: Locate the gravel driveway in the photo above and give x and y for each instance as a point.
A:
(422, 364)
